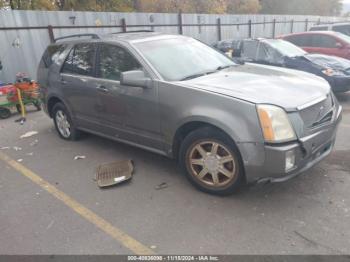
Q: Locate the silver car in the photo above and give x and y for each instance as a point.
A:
(227, 124)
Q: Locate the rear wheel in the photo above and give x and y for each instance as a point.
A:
(4, 113)
(63, 123)
(211, 161)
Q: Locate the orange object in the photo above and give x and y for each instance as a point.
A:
(29, 90)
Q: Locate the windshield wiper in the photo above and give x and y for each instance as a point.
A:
(223, 67)
(206, 73)
(198, 75)
(193, 76)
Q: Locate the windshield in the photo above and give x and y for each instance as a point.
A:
(343, 37)
(286, 48)
(182, 58)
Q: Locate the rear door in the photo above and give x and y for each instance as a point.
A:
(78, 83)
(128, 113)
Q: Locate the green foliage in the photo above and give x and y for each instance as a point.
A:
(302, 7)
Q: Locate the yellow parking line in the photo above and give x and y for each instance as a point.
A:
(123, 238)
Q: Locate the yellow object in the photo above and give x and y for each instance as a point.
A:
(23, 110)
(114, 232)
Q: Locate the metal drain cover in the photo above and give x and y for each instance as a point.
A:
(114, 173)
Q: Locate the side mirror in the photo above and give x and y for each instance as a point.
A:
(339, 45)
(135, 78)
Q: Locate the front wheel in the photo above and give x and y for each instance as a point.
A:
(63, 123)
(211, 161)
(4, 113)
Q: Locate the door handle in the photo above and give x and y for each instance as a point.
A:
(63, 82)
(102, 88)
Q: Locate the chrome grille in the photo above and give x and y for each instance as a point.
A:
(319, 113)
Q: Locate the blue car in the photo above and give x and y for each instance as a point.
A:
(277, 52)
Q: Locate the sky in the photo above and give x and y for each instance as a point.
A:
(346, 6)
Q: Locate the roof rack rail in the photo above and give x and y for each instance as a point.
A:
(135, 31)
(93, 36)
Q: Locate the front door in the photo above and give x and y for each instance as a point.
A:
(127, 113)
(325, 44)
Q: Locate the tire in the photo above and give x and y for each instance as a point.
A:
(63, 122)
(4, 113)
(219, 173)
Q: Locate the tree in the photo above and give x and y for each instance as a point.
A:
(302, 7)
(243, 6)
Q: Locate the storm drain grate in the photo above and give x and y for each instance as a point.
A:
(114, 173)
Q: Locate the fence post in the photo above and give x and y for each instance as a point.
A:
(306, 24)
(179, 19)
(250, 28)
(274, 28)
(291, 26)
(219, 28)
(123, 24)
(51, 34)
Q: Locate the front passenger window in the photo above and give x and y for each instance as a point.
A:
(114, 60)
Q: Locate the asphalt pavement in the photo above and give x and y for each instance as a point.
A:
(43, 202)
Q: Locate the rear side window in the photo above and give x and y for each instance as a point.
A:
(80, 60)
(51, 54)
(114, 60)
(300, 40)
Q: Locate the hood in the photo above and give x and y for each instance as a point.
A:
(333, 62)
(264, 85)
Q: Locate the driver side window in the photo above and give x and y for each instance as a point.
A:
(268, 54)
(114, 60)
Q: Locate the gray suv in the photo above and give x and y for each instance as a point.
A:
(227, 124)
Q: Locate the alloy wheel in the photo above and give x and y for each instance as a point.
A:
(212, 163)
(63, 124)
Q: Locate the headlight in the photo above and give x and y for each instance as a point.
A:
(331, 72)
(275, 124)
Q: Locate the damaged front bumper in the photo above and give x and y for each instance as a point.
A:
(283, 162)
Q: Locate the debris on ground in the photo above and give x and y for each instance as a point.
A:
(19, 160)
(29, 134)
(34, 143)
(4, 148)
(161, 186)
(51, 224)
(153, 247)
(30, 154)
(79, 157)
(21, 120)
(114, 173)
(16, 148)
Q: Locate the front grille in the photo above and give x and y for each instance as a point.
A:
(318, 114)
